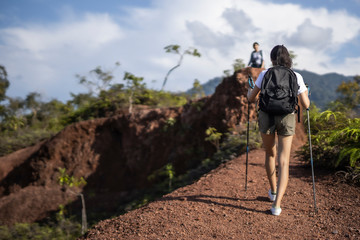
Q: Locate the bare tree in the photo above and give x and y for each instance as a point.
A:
(176, 49)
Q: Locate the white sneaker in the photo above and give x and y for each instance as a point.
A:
(275, 211)
(271, 196)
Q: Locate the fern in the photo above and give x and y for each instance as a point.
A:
(352, 133)
(213, 136)
(335, 139)
(353, 154)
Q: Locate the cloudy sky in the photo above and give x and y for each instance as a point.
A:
(45, 43)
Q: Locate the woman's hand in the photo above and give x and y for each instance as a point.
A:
(304, 99)
(252, 93)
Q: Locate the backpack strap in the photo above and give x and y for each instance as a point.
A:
(298, 112)
(265, 80)
(264, 83)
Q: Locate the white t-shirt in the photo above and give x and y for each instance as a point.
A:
(300, 81)
(258, 58)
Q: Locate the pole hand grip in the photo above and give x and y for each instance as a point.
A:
(251, 82)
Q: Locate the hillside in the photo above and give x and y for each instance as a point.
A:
(323, 87)
(116, 155)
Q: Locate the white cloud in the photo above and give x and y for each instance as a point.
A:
(239, 20)
(45, 56)
(205, 37)
(87, 34)
(350, 63)
(311, 36)
(343, 25)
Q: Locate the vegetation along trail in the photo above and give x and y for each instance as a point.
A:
(107, 138)
(217, 207)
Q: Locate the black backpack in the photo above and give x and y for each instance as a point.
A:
(279, 90)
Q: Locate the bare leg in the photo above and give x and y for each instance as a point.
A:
(284, 158)
(270, 153)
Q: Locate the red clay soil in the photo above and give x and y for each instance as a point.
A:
(218, 207)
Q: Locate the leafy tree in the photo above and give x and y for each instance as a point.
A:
(293, 56)
(134, 85)
(116, 90)
(81, 99)
(33, 103)
(350, 93)
(50, 114)
(100, 80)
(101, 100)
(238, 64)
(13, 123)
(176, 49)
(198, 89)
(4, 82)
(15, 106)
(11, 114)
(357, 79)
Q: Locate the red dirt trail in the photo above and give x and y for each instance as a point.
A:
(217, 207)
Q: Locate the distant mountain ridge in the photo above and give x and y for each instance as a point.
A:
(323, 87)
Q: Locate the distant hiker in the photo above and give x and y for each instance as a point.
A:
(256, 57)
(277, 116)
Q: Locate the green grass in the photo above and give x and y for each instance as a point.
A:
(65, 229)
(13, 141)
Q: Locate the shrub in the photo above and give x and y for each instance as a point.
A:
(335, 140)
(12, 141)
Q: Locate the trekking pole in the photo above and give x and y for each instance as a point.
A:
(251, 84)
(311, 156)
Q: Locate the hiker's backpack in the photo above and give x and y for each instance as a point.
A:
(279, 90)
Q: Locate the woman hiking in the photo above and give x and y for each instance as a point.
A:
(271, 122)
(256, 57)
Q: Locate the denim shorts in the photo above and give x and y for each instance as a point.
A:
(284, 125)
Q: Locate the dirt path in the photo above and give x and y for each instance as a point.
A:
(217, 207)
